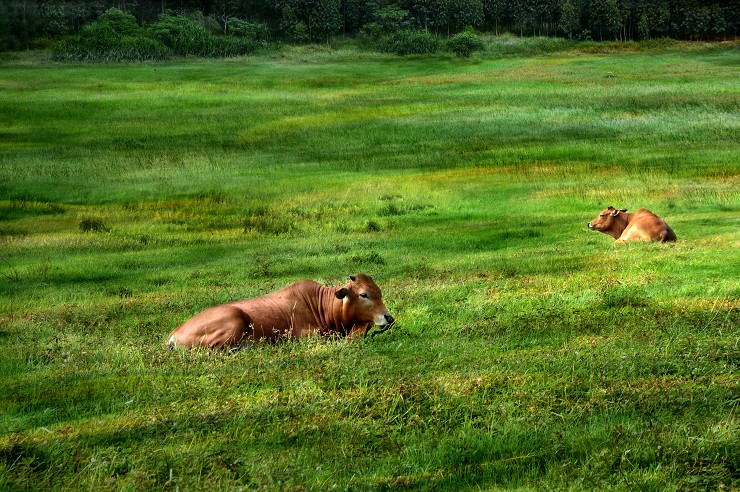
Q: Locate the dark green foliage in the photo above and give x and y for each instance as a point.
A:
(125, 48)
(310, 20)
(465, 44)
(570, 23)
(464, 13)
(121, 22)
(30, 23)
(114, 37)
(253, 31)
(186, 36)
(411, 43)
(701, 21)
(387, 20)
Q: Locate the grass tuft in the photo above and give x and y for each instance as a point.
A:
(92, 224)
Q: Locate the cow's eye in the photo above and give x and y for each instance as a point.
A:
(364, 296)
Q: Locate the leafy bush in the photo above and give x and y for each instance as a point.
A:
(254, 31)
(387, 20)
(119, 21)
(127, 48)
(410, 43)
(185, 36)
(182, 35)
(115, 36)
(465, 44)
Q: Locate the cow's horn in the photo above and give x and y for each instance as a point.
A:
(615, 213)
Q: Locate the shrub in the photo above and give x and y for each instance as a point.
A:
(182, 35)
(127, 49)
(410, 43)
(115, 36)
(119, 21)
(230, 46)
(465, 44)
(249, 30)
(185, 36)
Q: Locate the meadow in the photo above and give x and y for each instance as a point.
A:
(529, 352)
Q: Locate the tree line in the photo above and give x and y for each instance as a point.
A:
(38, 23)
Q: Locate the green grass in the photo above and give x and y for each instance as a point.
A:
(530, 353)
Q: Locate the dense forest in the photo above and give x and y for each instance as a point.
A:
(28, 24)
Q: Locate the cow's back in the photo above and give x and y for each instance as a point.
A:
(281, 313)
(645, 225)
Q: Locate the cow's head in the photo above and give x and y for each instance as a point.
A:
(362, 304)
(607, 220)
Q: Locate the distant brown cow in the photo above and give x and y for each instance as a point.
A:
(295, 311)
(641, 225)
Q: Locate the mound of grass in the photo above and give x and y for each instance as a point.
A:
(93, 224)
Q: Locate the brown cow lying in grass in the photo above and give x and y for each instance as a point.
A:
(295, 311)
(641, 225)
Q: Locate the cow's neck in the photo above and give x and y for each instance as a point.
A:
(327, 309)
(621, 221)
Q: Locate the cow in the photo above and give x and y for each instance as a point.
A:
(641, 225)
(295, 311)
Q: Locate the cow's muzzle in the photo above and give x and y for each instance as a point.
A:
(389, 322)
(590, 226)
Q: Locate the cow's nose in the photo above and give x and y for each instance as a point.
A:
(389, 318)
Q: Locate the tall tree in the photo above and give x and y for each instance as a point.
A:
(465, 13)
(605, 18)
(358, 13)
(53, 18)
(570, 19)
(325, 19)
(319, 19)
(431, 14)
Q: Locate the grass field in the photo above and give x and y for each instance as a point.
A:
(529, 353)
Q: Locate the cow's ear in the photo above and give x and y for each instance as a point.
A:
(615, 213)
(623, 210)
(342, 293)
(353, 278)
